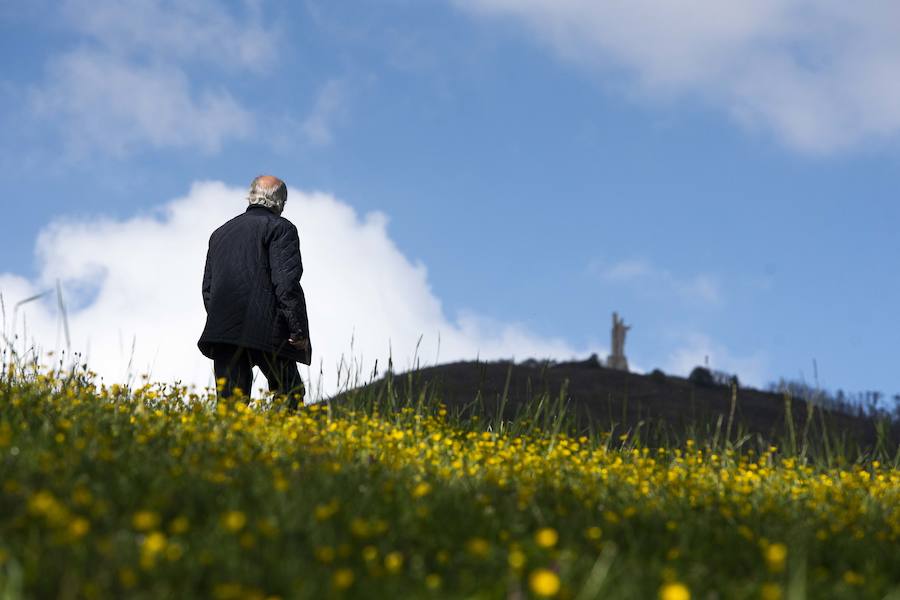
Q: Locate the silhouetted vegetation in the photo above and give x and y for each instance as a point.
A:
(659, 410)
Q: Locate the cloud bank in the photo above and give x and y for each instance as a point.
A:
(132, 80)
(104, 102)
(137, 282)
(328, 108)
(698, 290)
(200, 30)
(819, 74)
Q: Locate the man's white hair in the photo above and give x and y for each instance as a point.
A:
(271, 195)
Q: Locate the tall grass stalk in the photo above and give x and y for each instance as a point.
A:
(789, 424)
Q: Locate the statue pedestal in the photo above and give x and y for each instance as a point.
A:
(619, 363)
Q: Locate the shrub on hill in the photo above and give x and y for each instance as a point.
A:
(658, 376)
(702, 376)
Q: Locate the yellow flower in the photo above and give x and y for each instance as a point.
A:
(674, 591)
(478, 547)
(516, 559)
(776, 556)
(145, 520)
(179, 525)
(593, 533)
(41, 502)
(544, 583)
(853, 578)
(433, 581)
(174, 551)
(393, 562)
(770, 591)
(369, 553)
(234, 520)
(342, 578)
(359, 527)
(422, 489)
(154, 543)
(324, 512)
(546, 537)
(79, 527)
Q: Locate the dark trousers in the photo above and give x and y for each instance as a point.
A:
(235, 365)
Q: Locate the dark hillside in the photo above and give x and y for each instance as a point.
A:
(655, 405)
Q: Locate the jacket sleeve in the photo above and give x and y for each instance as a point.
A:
(286, 269)
(207, 282)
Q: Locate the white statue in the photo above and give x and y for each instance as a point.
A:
(617, 358)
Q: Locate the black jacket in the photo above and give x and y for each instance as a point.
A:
(251, 286)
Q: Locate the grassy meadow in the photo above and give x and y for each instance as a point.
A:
(157, 492)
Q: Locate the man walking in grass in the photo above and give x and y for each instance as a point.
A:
(255, 307)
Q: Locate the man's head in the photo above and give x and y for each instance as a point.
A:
(268, 191)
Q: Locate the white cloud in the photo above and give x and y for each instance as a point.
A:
(697, 348)
(103, 102)
(695, 290)
(145, 275)
(820, 74)
(328, 108)
(200, 30)
(131, 80)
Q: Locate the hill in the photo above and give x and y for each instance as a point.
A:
(658, 407)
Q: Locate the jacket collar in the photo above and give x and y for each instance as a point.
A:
(258, 207)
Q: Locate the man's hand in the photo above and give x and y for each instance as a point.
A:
(300, 342)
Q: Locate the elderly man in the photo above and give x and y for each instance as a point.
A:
(255, 307)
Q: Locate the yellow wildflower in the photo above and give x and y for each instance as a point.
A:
(369, 553)
(234, 520)
(770, 591)
(776, 556)
(79, 527)
(393, 562)
(422, 489)
(179, 525)
(546, 537)
(145, 520)
(174, 551)
(154, 543)
(342, 578)
(674, 591)
(323, 512)
(516, 559)
(544, 583)
(478, 547)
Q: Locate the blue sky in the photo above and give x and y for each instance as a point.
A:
(727, 183)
